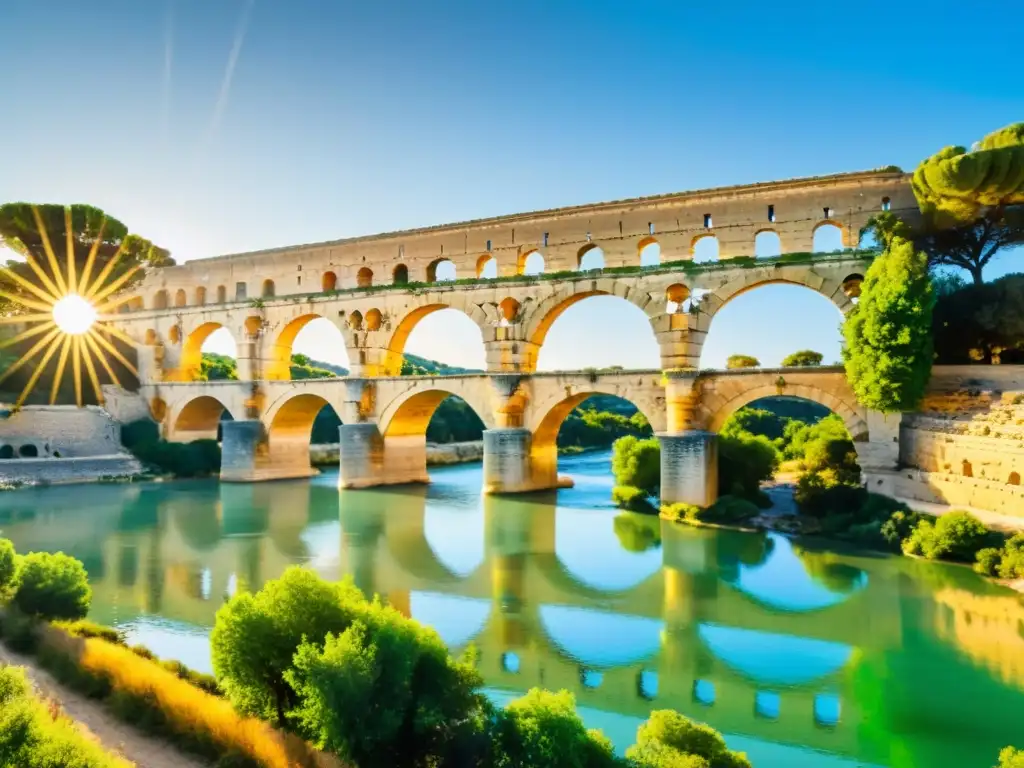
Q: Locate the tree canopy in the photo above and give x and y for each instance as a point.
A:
(888, 349)
(26, 228)
(742, 361)
(805, 358)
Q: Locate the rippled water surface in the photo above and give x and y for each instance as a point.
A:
(800, 656)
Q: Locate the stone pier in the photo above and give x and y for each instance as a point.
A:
(689, 468)
(367, 458)
(249, 454)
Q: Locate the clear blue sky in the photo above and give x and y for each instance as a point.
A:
(215, 127)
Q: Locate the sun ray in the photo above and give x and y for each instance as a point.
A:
(114, 351)
(27, 334)
(38, 318)
(20, 362)
(91, 343)
(50, 255)
(113, 286)
(76, 366)
(119, 334)
(87, 269)
(61, 364)
(101, 278)
(36, 374)
(39, 293)
(70, 253)
(104, 309)
(93, 378)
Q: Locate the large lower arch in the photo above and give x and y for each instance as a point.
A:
(289, 429)
(409, 414)
(190, 363)
(197, 419)
(717, 407)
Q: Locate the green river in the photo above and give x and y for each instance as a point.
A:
(800, 655)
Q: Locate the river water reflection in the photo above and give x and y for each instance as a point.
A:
(801, 656)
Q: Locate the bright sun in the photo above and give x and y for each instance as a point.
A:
(74, 315)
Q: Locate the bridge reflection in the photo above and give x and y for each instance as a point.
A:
(749, 632)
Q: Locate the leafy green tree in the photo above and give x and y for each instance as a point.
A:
(1011, 758)
(667, 739)
(214, 367)
(52, 586)
(637, 463)
(979, 322)
(888, 350)
(805, 358)
(384, 692)
(954, 536)
(8, 568)
(744, 462)
(742, 361)
(90, 226)
(255, 637)
(543, 730)
(754, 421)
(637, 533)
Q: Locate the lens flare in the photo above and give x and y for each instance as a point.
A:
(74, 315)
(66, 312)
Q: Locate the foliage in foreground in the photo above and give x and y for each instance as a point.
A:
(52, 586)
(145, 694)
(669, 740)
(1006, 562)
(32, 734)
(379, 689)
(888, 340)
(1011, 758)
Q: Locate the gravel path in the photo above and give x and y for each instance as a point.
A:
(115, 735)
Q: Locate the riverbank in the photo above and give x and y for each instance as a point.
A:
(98, 722)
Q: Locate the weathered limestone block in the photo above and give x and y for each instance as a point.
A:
(369, 459)
(249, 455)
(512, 464)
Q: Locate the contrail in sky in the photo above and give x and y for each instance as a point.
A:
(165, 104)
(229, 72)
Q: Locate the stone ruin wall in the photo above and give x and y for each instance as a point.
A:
(965, 446)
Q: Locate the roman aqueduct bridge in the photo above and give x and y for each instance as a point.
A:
(376, 289)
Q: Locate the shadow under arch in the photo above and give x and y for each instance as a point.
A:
(545, 433)
(199, 419)
(191, 360)
(291, 429)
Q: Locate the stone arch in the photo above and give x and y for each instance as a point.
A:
(222, 294)
(541, 316)
(201, 295)
(844, 233)
(374, 319)
(713, 254)
(852, 285)
(432, 269)
(483, 262)
(364, 277)
(409, 414)
(197, 418)
(160, 299)
(190, 362)
(551, 412)
(675, 296)
(530, 262)
(583, 251)
(180, 298)
(752, 279)
(509, 309)
(269, 290)
(355, 320)
(151, 339)
(328, 282)
(392, 365)
(279, 368)
(767, 243)
(400, 275)
(717, 408)
(645, 252)
(290, 428)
